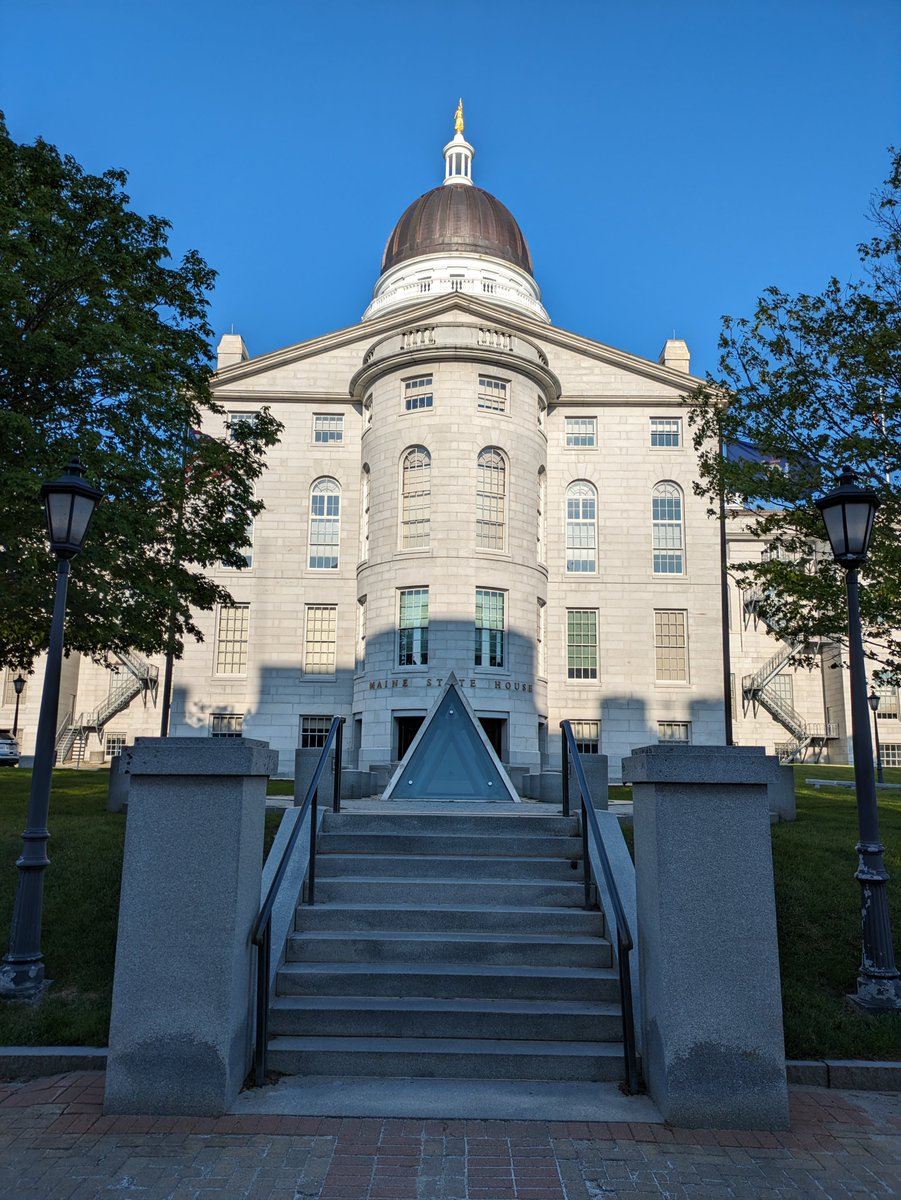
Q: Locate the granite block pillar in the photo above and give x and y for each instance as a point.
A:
(709, 964)
(182, 993)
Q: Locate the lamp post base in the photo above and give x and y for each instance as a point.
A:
(23, 981)
(876, 996)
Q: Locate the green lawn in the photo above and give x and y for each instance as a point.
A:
(817, 898)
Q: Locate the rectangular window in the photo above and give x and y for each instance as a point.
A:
(320, 640)
(782, 687)
(891, 754)
(231, 642)
(582, 643)
(113, 745)
(539, 633)
(328, 428)
(413, 628)
(581, 431)
(888, 701)
(666, 432)
(671, 645)
(9, 690)
(361, 635)
(233, 420)
(492, 394)
(733, 698)
(674, 731)
(226, 725)
(417, 393)
(588, 736)
(313, 732)
(489, 648)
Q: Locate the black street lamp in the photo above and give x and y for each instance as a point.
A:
(69, 502)
(873, 701)
(848, 514)
(19, 685)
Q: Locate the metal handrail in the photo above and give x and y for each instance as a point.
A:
(262, 930)
(623, 932)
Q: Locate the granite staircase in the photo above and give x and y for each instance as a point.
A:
(451, 945)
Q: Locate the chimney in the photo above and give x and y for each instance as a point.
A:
(231, 350)
(676, 355)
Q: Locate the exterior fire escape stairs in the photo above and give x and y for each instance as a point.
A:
(758, 691)
(141, 678)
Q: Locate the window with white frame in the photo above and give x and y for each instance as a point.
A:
(542, 411)
(247, 548)
(541, 645)
(581, 431)
(328, 428)
(320, 639)
(888, 701)
(232, 639)
(489, 647)
(587, 736)
(492, 394)
(891, 754)
(361, 635)
(234, 419)
(491, 499)
(671, 645)
(365, 498)
(113, 744)
(367, 412)
(666, 432)
(314, 732)
(666, 520)
(582, 643)
(416, 499)
(541, 532)
(325, 524)
(581, 527)
(674, 731)
(9, 688)
(782, 687)
(226, 725)
(418, 393)
(413, 628)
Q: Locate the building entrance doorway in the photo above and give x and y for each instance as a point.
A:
(494, 731)
(407, 729)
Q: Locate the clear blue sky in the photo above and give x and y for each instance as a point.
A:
(665, 161)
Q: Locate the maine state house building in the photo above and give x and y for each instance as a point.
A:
(462, 486)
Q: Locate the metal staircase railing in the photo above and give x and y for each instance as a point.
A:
(142, 679)
(788, 717)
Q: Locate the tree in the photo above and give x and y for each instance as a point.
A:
(105, 357)
(811, 382)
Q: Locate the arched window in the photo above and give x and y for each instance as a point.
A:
(325, 524)
(666, 521)
(581, 527)
(416, 498)
(541, 536)
(364, 513)
(491, 499)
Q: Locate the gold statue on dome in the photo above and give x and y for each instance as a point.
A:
(458, 117)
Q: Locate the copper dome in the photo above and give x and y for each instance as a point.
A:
(457, 219)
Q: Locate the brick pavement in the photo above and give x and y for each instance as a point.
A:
(55, 1144)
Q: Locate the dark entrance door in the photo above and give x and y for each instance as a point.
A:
(407, 729)
(494, 731)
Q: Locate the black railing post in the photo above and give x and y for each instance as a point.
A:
(586, 860)
(264, 959)
(311, 873)
(339, 745)
(564, 755)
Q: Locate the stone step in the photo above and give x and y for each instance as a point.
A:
(426, 867)
(378, 1016)
(579, 922)
(441, 890)
(452, 844)
(449, 1058)
(479, 824)
(507, 949)
(448, 981)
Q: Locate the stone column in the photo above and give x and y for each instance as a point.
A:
(183, 988)
(711, 1001)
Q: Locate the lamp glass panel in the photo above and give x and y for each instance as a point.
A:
(58, 515)
(833, 518)
(82, 511)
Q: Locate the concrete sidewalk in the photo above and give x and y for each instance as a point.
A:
(57, 1145)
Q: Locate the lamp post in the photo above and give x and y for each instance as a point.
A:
(848, 514)
(69, 502)
(19, 685)
(873, 701)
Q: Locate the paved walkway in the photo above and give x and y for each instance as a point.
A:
(55, 1144)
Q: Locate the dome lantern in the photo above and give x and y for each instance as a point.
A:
(458, 153)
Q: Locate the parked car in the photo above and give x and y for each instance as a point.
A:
(9, 751)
